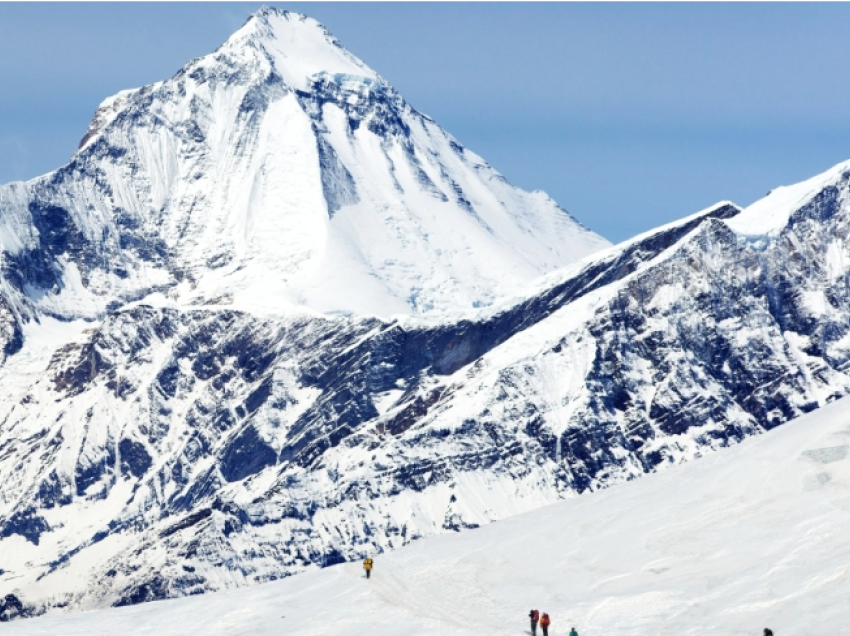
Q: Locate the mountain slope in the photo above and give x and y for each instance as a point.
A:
(749, 537)
(207, 449)
(277, 172)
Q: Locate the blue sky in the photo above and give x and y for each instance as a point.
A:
(629, 115)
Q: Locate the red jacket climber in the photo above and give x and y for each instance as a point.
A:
(544, 624)
(534, 615)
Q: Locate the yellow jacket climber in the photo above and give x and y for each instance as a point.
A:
(367, 565)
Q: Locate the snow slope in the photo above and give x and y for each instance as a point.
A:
(747, 537)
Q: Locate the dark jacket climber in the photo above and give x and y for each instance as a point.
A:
(768, 632)
(367, 565)
(534, 615)
(573, 632)
(544, 624)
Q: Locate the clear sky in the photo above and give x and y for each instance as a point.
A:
(629, 115)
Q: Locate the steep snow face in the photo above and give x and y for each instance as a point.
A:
(751, 537)
(172, 451)
(278, 172)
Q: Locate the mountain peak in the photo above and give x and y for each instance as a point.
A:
(281, 172)
(266, 11)
(298, 46)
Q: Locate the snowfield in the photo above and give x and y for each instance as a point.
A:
(747, 537)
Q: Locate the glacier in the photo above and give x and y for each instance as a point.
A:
(270, 317)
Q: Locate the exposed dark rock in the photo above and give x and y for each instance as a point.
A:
(246, 455)
(11, 607)
(135, 460)
(27, 523)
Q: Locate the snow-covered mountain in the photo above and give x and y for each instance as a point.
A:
(751, 537)
(169, 451)
(279, 171)
(205, 386)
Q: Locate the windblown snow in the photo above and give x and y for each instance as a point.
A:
(749, 537)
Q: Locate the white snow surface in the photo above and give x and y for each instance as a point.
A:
(748, 537)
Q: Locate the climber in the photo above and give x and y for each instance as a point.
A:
(544, 623)
(534, 615)
(573, 632)
(367, 565)
(768, 632)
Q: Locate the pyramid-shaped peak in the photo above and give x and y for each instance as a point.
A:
(299, 46)
(266, 20)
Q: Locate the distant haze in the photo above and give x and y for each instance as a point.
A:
(628, 115)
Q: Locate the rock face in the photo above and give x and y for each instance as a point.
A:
(168, 448)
